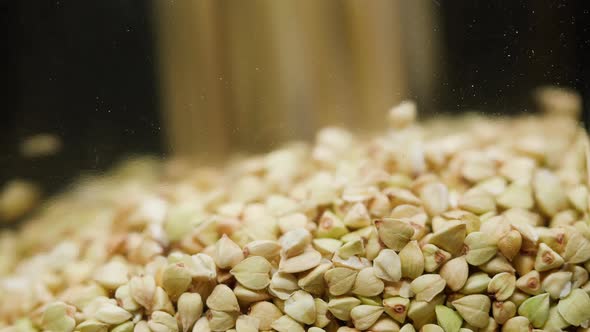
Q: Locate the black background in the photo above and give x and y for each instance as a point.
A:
(498, 51)
(85, 70)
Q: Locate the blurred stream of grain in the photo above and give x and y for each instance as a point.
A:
(245, 76)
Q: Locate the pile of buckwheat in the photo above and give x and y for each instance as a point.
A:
(459, 224)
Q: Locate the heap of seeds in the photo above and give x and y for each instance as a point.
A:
(471, 224)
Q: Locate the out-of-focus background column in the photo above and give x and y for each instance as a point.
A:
(249, 75)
